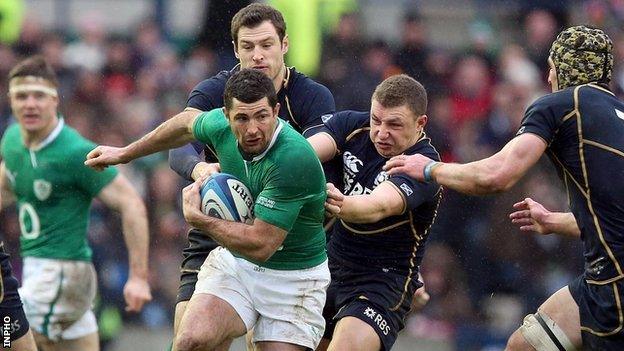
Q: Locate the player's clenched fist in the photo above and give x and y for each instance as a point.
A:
(104, 156)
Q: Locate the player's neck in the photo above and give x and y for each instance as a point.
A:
(35, 138)
(278, 82)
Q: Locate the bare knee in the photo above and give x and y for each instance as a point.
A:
(191, 341)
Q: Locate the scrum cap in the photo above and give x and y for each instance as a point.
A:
(582, 55)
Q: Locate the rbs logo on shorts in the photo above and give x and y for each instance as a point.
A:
(378, 319)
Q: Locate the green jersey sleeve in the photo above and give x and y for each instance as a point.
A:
(88, 179)
(208, 126)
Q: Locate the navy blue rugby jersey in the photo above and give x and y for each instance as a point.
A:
(584, 129)
(303, 101)
(396, 242)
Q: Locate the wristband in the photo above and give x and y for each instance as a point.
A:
(427, 171)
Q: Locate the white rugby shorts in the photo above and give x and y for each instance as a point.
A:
(281, 305)
(58, 296)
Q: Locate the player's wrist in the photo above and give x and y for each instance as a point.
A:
(428, 171)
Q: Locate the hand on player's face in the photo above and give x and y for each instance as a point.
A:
(191, 202)
(136, 293)
(104, 156)
(530, 216)
(412, 165)
(334, 201)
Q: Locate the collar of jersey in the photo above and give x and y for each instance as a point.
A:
(50, 138)
(278, 129)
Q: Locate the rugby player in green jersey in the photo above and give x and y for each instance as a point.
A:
(43, 170)
(271, 275)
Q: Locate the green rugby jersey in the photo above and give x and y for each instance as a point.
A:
(54, 190)
(287, 183)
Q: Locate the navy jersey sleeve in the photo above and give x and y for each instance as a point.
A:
(341, 124)
(415, 192)
(314, 101)
(544, 117)
(208, 94)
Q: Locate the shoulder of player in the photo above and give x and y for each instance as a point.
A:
(301, 87)
(213, 86)
(11, 136)
(559, 99)
(424, 147)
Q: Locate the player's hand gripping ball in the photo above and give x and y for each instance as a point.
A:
(224, 196)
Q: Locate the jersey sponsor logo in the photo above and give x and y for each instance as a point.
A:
(263, 201)
(42, 189)
(407, 189)
(619, 113)
(378, 319)
(326, 117)
(351, 162)
(381, 177)
(351, 168)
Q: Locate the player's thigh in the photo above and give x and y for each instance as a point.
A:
(177, 318)
(562, 309)
(90, 342)
(560, 314)
(211, 320)
(354, 334)
(25, 342)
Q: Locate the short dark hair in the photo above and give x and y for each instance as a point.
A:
(402, 90)
(35, 66)
(253, 15)
(249, 85)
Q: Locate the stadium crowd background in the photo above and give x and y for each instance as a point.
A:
(483, 275)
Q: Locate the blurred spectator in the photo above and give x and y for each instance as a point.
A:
(414, 50)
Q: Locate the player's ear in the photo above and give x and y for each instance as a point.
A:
(235, 49)
(285, 44)
(421, 121)
(276, 109)
(225, 112)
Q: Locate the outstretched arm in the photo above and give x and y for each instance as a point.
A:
(496, 173)
(174, 132)
(531, 216)
(120, 196)
(5, 189)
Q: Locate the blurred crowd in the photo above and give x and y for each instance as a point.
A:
(483, 275)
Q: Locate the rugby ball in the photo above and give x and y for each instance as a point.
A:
(224, 196)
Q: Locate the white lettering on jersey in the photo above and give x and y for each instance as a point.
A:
(619, 113)
(378, 319)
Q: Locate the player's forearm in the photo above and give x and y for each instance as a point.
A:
(362, 209)
(183, 160)
(136, 236)
(235, 236)
(172, 133)
(475, 178)
(562, 223)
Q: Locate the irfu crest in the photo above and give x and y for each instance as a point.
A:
(42, 189)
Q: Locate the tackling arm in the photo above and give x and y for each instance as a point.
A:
(384, 201)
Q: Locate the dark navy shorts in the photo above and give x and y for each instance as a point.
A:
(600, 308)
(380, 297)
(13, 322)
(195, 254)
